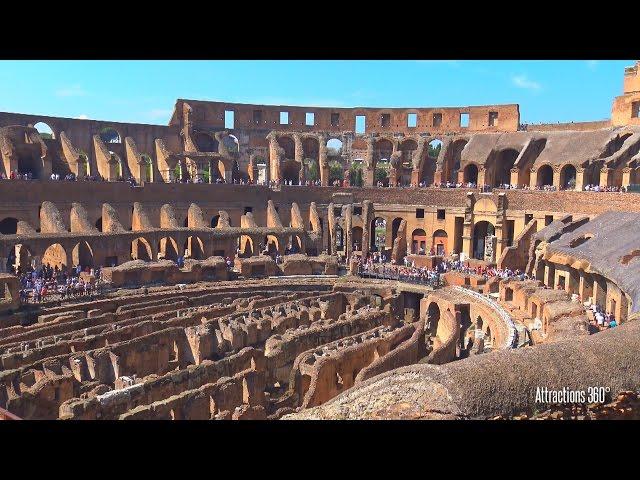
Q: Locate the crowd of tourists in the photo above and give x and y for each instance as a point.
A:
(52, 283)
(602, 320)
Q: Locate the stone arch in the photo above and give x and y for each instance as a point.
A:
(568, 175)
(408, 148)
(9, 226)
(45, 130)
(502, 165)
(470, 173)
(245, 243)
(544, 176)
(428, 163)
(168, 249)
(55, 255)
(141, 249)
(195, 248)
(334, 148)
(232, 144)
(382, 150)
(272, 244)
(481, 230)
(110, 135)
(82, 254)
(439, 244)
(419, 242)
(214, 221)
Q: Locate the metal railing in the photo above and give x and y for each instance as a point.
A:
(416, 279)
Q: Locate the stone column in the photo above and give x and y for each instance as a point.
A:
(347, 233)
(556, 177)
(467, 230)
(481, 175)
(514, 176)
(579, 178)
(626, 176)
(533, 178)
(322, 160)
(604, 176)
(299, 156)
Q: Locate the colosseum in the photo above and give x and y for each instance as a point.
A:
(286, 262)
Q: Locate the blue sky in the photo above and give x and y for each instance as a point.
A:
(145, 91)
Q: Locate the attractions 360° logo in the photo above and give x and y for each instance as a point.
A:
(568, 396)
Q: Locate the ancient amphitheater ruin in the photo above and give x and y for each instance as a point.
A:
(279, 262)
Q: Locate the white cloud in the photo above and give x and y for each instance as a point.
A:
(71, 91)
(592, 64)
(82, 116)
(521, 81)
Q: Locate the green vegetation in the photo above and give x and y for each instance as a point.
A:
(434, 151)
(335, 172)
(355, 175)
(313, 173)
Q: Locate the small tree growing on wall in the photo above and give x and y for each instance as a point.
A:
(355, 175)
(335, 172)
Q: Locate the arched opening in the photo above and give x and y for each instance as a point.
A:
(502, 168)
(378, 234)
(110, 135)
(339, 238)
(288, 145)
(311, 154)
(55, 256)
(205, 142)
(9, 226)
(568, 177)
(272, 244)
(168, 249)
(481, 231)
(146, 169)
(440, 242)
(98, 224)
(245, 244)
(19, 259)
(45, 131)
(194, 248)
(470, 174)
(334, 149)
(429, 163)
(83, 165)
(508, 294)
(452, 165)
(545, 176)
(232, 144)
(382, 151)
(141, 250)
(82, 255)
(395, 225)
(356, 237)
(419, 242)
(214, 221)
(291, 172)
(433, 317)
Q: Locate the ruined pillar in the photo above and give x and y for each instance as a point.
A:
(515, 172)
(299, 157)
(533, 178)
(347, 213)
(367, 217)
(626, 176)
(467, 231)
(481, 175)
(556, 177)
(579, 179)
(323, 163)
(331, 221)
(369, 170)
